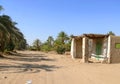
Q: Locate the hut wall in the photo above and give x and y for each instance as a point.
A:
(85, 50)
(73, 48)
(104, 47)
(90, 45)
(94, 47)
(114, 52)
(79, 48)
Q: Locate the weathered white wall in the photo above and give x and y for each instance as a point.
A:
(73, 48)
(108, 49)
(83, 50)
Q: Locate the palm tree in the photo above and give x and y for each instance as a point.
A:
(8, 32)
(50, 41)
(21, 45)
(37, 44)
(62, 37)
(4, 34)
(60, 42)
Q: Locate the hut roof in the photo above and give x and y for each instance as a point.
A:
(91, 36)
(96, 35)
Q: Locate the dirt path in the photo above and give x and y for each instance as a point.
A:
(42, 68)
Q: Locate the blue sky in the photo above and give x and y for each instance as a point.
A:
(43, 18)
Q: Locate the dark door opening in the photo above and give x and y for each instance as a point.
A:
(98, 47)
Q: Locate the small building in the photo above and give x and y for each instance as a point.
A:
(96, 46)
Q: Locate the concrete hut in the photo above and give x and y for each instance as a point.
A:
(98, 46)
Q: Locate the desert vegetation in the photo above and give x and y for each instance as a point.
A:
(60, 44)
(10, 36)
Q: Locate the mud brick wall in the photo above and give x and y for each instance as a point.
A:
(79, 48)
(86, 50)
(114, 52)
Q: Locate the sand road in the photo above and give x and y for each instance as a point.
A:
(30, 67)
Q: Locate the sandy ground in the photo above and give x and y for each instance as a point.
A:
(42, 68)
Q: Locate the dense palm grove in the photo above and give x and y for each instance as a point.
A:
(10, 36)
(60, 44)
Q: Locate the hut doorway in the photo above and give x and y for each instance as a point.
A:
(99, 47)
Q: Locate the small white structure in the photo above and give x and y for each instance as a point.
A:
(99, 46)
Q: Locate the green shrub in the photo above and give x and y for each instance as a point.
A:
(60, 49)
(46, 48)
(32, 48)
(67, 47)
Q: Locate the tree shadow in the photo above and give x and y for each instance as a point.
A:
(28, 57)
(23, 63)
(26, 68)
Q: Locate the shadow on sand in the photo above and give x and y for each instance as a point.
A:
(25, 64)
(26, 68)
(28, 57)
